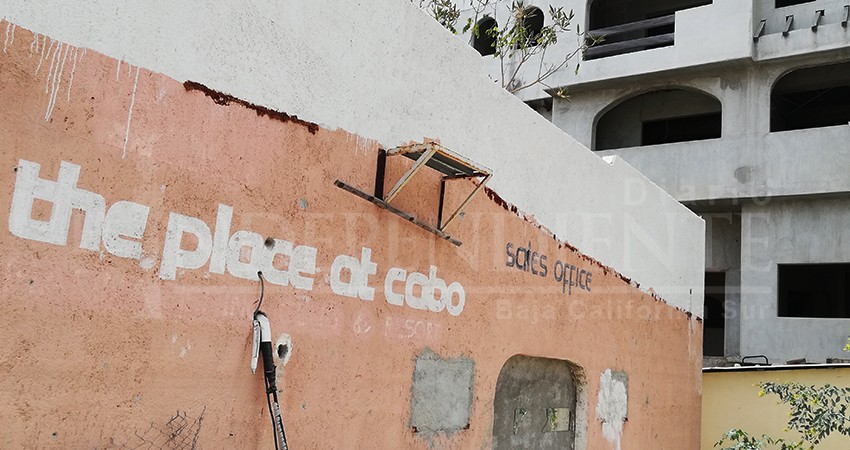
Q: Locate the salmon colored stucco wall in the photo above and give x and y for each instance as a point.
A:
(730, 400)
(99, 349)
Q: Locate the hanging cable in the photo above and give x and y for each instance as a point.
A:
(263, 345)
(262, 293)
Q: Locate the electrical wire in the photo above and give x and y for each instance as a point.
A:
(271, 391)
(262, 293)
(271, 412)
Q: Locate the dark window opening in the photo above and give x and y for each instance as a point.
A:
(532, 22)
(814, 290)
(784, 3)
(543, 107)
(483, 40)
(627, 26)
(714, 325)
(811, 98)
(681, 129)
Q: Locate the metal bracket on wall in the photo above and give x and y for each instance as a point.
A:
(437, 157)
(818, 16)
(789, 22)
(760, 30)
(846, 16)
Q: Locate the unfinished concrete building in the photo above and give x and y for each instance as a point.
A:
(740, 110)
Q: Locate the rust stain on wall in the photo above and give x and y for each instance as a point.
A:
(220, 98)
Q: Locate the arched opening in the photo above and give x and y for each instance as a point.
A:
(483, 40)
(627, 26)
(659, 117)
(532, 22)
(811, 98)
(540, 403)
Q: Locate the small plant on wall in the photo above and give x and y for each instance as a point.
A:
(517, 43)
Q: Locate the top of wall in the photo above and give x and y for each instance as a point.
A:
(778, 367)
(390, 73)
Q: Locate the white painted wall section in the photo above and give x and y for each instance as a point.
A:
(387, 71)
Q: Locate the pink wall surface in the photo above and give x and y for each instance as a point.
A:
(116, 330)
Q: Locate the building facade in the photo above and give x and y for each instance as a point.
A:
(157, 156)
(741, 111)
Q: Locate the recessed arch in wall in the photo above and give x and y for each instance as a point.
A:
(659, 116)
(533, 21)
(540, 403)
(811, 97)
(482, 40)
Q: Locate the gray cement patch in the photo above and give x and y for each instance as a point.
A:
(441, 399)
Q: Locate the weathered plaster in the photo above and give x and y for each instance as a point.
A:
(138, 346)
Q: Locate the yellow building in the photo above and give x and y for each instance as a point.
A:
(730, 400)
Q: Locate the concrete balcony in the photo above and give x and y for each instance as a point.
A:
(721, 31)
(800, 29)
(788, 163)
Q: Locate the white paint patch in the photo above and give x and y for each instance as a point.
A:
(52, 66)
(10, 36)
(57, 81)
(41, 57)
(612, 406)
(73, 70)
(34, 44)
(130, 112)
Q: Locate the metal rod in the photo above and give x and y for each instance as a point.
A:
(442, 199)
(465, 202)
(760, 30)
(846, 16)
(818, 15)
(420, 163)
(789, 22)
(634, 26)
(616, 48)
(380, 173)
(406, 216)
